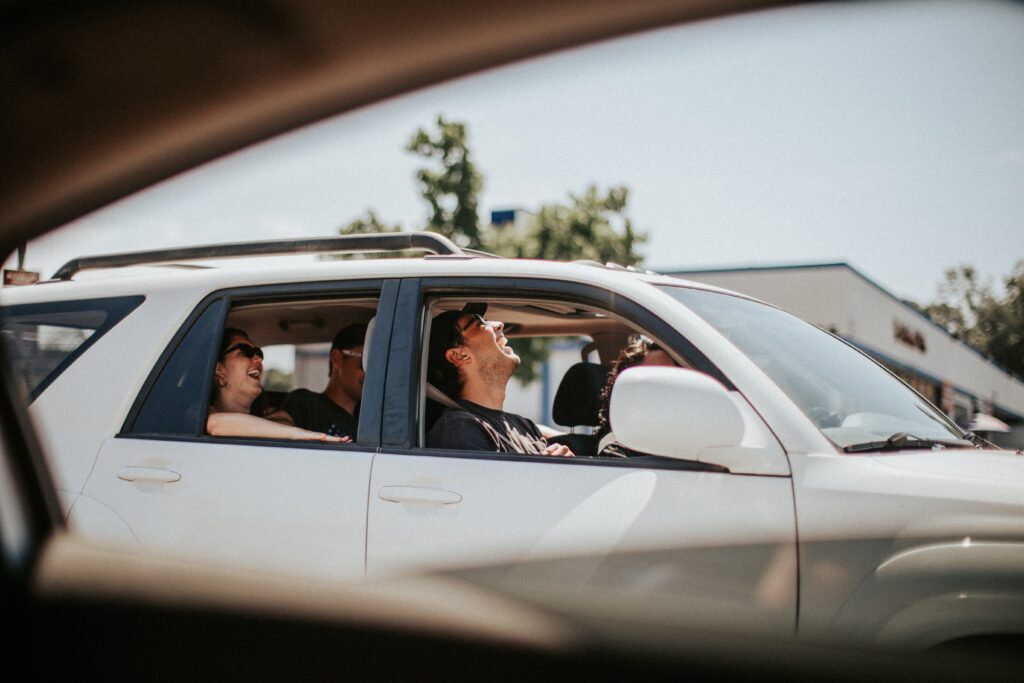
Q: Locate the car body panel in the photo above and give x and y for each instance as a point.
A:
(87, 404)
(860, 513)
(510, 511)
(280, 507)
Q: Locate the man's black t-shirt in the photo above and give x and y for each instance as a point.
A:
(318, 413)
(476, 428)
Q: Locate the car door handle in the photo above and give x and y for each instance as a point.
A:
(418, 494)
(148, 474)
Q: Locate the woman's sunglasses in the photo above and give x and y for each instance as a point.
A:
(247, 350)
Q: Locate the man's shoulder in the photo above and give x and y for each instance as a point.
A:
(453, 416)
(301, 395)
(459, 428)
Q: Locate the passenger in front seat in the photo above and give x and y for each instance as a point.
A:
(471, 361)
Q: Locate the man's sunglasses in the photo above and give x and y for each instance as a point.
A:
(456, 336)
(247, 350)
(475, 318)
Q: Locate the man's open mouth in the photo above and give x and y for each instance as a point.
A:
(255, 373)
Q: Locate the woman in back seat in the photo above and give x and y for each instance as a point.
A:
(237, 384)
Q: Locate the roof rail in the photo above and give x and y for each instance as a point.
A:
(397, 241)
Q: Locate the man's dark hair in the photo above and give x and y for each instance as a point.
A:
(348, 337)
(444, 335)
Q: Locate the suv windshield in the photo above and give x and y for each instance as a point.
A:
(855, 402)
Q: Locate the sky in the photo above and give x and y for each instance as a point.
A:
(889, 136)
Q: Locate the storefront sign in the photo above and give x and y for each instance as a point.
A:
(908, 336)
(20, 277)
(948, 400)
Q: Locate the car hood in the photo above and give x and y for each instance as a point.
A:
(980, 465)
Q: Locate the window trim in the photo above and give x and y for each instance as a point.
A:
(647, 462)
(117, 309)
(384, 290)
(401, 430)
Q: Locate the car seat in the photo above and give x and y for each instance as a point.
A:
(577, 404)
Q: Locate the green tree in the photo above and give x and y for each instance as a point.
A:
(971, 311)
(1003, 324)
(452, 187)
(592, 226)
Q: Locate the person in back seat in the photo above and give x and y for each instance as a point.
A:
(237, 377)
(640, 352)
(335, 411)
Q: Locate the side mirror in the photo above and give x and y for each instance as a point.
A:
(673, 412)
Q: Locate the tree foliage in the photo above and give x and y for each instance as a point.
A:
(450, 188)
(973, 312)
(592, 226)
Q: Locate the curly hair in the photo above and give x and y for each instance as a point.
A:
(631, 356)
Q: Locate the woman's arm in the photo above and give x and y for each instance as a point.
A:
(242, 424)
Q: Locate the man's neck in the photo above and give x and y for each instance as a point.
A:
(492, 397)
(344, 401)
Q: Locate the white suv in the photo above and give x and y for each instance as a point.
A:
(792, 482)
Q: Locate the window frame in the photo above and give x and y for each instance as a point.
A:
(384, 290)
(117, 308)
(405, 386)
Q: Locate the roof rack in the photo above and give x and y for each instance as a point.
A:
(611, 265)
(399, 241)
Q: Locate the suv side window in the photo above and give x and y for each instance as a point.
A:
(292, 332)
(575, 344)
(47, 338)
(173, 404)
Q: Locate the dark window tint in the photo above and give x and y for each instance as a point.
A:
(175, 403)
(45, 339)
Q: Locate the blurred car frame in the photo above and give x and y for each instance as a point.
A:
(287, 64)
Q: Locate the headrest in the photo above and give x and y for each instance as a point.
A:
(366, 343)
(578, 399)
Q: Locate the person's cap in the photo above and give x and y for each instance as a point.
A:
(349, 337)
(443, 327)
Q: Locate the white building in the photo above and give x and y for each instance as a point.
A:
(838, 298)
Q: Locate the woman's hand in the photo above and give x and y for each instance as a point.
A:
(307, 435)
(559, 450)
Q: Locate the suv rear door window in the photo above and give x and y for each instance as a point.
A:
(45, 339)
